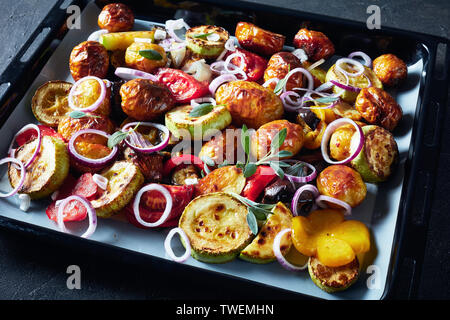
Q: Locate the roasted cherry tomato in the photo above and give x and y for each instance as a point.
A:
(258, 181)
(252, 64)
(153, 203)
(184, 87)
(183, 159)
(31, 134)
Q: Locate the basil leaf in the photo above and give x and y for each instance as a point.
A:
(77, 114)
(279, 172)
(278, 140)
(116, 138)
(202, 35)
(201, 110)
(150, 54)
(249, 170)
(252, 223)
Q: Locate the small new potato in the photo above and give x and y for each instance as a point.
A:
(258, 40)
(68, 126)
(390, 69)
(145, 100)
(87, 93)
(378, 107)
(89, 58)
(343, 183)
(250, 103)
(262, 138)
(226, 146)
(340, 142)
(116, 17)
(316, 45)
(135, 61)
(278, 67)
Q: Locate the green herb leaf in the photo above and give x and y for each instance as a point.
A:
(276, 167)
(202, 35)
(284, 154)
(278, 140)
(77, 114)
(296, 170)
(150, 54)
(245, 139)
(252, 223)
(240, 165)
(224, 164)
(249, 170)
(280, 84)
(258, 213)
(208, 161)
(116, 138)
(201, 110)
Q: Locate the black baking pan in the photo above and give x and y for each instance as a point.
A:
(409, 225)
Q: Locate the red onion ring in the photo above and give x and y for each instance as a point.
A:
(172, 25)
(305, 72)
(90, 210)
(101, 181)
(217, 82)
(93, 106)
(358, 65)
(22, 176)
(281, 259)
(345, 86)
(11, 151)
(195, 102)
(94, 163)
(364, 56)
(327, 136)
(268, 82)
(148, 149)
(186, 242)
(129, 74)
(298, 193)
(308, 178)
(320, 199)
(166, 213)
(95, 36)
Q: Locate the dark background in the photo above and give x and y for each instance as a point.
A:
(33, 268)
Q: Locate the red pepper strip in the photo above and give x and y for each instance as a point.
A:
(183, 159)
(252, 64)
(258, 181)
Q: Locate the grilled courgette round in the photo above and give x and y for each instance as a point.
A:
(206, 41)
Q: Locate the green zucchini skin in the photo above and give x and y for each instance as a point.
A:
(203, 47)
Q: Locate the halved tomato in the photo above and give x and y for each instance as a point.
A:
(31, 134)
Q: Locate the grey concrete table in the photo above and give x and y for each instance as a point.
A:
(33, 269)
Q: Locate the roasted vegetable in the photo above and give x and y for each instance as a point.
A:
(182, 173)
(390, 69)
(116, 17)
(145, 100)
(68, 126)
(340, 142)
(124, 180)
(225, 146)
(87, 92)
(216, 226)
(122, 40)
(225, 179)
(316, 45)
(252, 64)
(50, 104)
(260, 250)
(378, 107)
(151, 165)
(343, 183)
(136, 60)
(250, 103)
(89, 58)
(258, 181)
(379, 155)
(46, 173)
(206, 41)
(181, 123)
(278, 67)
(280, 190)
(258, 40)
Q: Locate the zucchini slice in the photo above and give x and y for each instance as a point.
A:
(333, 279)
(47, 172)
(122, 40)
(216, 225)
(124, 180)
(206, 41)
(261, 248)
(180, 123)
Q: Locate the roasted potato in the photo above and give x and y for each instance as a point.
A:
(390, 69)
(378, 107)
(135, 61)
(345, 110)
(223, 179)
(343, 183)
(89, 58)
(88, 92)
(151, 165)
(250, 103)
(278, 67)
(145, 100)
(183, 172)
(340, 142)
(116, 17)
(262, 138)
(68, 126)
(258, 40)
(316, 45)
(226, 146)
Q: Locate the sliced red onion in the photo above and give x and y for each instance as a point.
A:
(288, 103)
(306, 179)
(99, 100)
(364, 56)
(234, 67)
(186, 242)
(25, 202)
(213, 37)
(217, 82)
(101, 181)
(357, 64)
(325, 86)
(322, 198)
(200, 70)
(172, 25)
(90, 210)
(229, 45)
(369, 83)
(268, 82)
(93, 163)
(12, 152)
(298, 193)
(95, 36)
(148, 148)
(22, 176)
(316, 64)
(345, 86)
(327, 136)
(129, 74)
(166, 213)
(300, 54)
(195, 102)
(281, 259)
(159, 34)
(305, 72)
